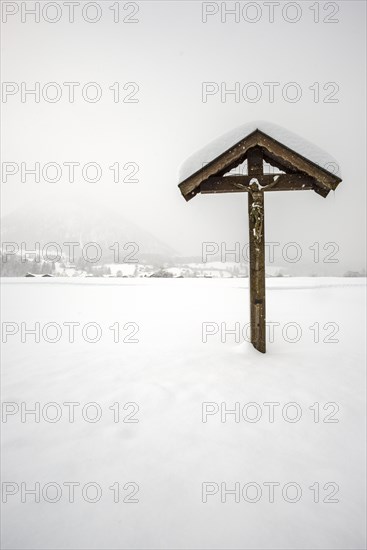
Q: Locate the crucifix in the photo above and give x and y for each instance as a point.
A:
(298, 173)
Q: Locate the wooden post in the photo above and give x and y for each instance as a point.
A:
(257, 251)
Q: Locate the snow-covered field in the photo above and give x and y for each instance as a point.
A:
(170, 460)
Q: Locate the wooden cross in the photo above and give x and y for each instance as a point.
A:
(298, 174)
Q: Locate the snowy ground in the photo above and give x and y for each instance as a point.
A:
(170, 453)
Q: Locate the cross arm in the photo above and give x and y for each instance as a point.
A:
(238, 184)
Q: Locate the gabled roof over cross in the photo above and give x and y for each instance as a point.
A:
(310, 167)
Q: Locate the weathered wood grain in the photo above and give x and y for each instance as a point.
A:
(257, 253)
(239, 184)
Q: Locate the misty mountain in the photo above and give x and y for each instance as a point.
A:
(82, 222)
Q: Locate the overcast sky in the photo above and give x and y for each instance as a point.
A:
(169, 53)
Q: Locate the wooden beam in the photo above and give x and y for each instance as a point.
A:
(293, 182)
(238, 184)
(226, 161)
(231, 184)
(257, 252)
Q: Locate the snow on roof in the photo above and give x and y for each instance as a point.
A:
(289, 139)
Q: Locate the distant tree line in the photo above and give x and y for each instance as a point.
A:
(12, 266)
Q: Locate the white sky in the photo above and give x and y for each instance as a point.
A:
(169, 53)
